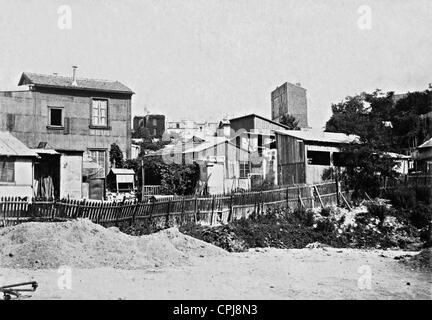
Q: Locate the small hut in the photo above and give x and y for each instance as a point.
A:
(121, 180)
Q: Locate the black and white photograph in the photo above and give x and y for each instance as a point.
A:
(217, 153)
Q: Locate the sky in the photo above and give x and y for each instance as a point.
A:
(209, 59)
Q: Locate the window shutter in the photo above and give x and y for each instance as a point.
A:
(66, 125)
(10, 124)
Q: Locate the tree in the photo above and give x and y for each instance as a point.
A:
(366, 161)
(116, 156)
(180, 179)
(290, 121)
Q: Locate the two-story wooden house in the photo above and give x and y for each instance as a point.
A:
(68, 119)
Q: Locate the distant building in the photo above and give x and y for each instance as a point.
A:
(290, 99)
(224, 167)
(304, 156)
(423, 157)
(72, 123)
(186, 129)
(152, 124)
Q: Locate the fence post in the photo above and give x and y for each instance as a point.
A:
(287, 195)
(196, 209)
(151, 212)
(118, 211)
(312, 197)
(53, 209)
(212, 212)
(4, 211)
(337, 190)
(168, 214)
(134, 212)
(230, 217)
(182, 211)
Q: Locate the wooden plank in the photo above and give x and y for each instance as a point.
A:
(319, 197)
(345, 201)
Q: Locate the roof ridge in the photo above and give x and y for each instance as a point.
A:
(67, 77)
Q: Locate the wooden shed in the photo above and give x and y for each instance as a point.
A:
(121, 180)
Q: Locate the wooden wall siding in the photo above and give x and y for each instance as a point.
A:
(290, 159)
(31, 119)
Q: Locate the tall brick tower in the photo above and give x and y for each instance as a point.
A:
(290, 99)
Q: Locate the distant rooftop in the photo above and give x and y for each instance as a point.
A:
(320, 136)
(55, 81)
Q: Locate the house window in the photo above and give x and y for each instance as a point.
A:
(154, 121)
(260, 145)
(99, 113)
(318, 158)
(7, 170)
(99, 156)
(154, 132)
(244, 169)
(55, 117)
(178, 125)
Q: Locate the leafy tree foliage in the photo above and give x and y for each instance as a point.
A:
(116, 156)
(172, 177)
(290, 121)
(380, 118)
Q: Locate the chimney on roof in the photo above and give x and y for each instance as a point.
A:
(298, 84)
(74, 82)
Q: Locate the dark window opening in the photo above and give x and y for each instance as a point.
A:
(319, 158)
(56, 117)
(260, 145)
(7, 170)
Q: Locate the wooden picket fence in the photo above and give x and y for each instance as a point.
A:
(172, 211)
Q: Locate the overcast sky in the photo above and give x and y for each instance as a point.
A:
(205, 59)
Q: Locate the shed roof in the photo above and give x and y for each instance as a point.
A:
(121, 171)
(260, 117)
(320, 136)
(426, 144)
(54, 81)
(45, 151)
(11, 146)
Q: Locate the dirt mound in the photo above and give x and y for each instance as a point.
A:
(81, 243)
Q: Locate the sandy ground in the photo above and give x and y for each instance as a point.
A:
(258, 274)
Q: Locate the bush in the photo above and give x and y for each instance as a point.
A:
(424, 194)
(402, 197)
(379, 211)
(325, 212)
(420, 216)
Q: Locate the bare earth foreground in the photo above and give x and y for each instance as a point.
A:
(170, 265)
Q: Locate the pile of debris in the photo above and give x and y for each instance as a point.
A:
(81, 243)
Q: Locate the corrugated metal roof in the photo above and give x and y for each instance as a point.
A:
(320, 136)
(54, 81)
(11, 146)
(122, 171)
(426, 144)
